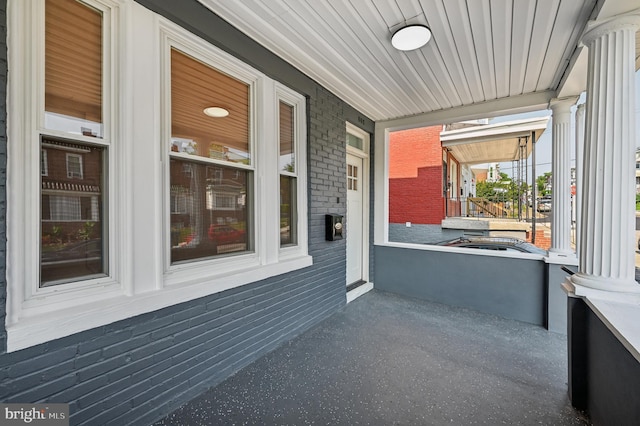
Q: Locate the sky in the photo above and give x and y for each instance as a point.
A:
(543, 145)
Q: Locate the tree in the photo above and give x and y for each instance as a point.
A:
(542, 183)
(501, 190)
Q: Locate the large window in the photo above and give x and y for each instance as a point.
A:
(211, 162)
(147, 168)
(72, 223)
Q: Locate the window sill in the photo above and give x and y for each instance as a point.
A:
(42, 328)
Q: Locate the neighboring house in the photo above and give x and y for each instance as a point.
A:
(481, 174)
(493, 172)
(426, 183)
(418, 176)
(431, 176)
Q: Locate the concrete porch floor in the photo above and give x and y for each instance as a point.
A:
(389, 360)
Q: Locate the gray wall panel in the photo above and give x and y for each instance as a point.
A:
(507, 287)
(604, 377)
(556, 299)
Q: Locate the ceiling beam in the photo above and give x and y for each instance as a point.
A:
(536, 101)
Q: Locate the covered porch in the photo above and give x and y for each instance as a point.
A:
(487, 60)
(448, 335)
(387, 359)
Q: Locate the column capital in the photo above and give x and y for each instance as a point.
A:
(598, 28)
(562, 104)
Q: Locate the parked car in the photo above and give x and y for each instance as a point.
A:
(494, 243)
(225, 234)
(543, 205)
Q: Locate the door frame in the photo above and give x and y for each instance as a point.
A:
(366, 199)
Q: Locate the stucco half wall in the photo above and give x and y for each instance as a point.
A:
(508, 287)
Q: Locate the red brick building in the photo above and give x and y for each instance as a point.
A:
(421, 176)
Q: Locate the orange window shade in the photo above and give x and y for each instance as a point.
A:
(287, 156)
(73, 60)
(196, 86)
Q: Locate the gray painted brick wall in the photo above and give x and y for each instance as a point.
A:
(137, 370)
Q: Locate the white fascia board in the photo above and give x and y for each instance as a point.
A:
(530, 102)
(494, 132)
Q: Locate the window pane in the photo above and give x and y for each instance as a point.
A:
(72, 241)
(287, 154)
(354, 141)
(73, 68)
(74, 166)
(288, 209)
(195, 87)
(210, 211)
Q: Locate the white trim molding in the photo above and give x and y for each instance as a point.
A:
(140, 278)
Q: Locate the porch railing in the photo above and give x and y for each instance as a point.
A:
(477, 207)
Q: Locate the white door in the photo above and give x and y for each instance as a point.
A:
(355, 218)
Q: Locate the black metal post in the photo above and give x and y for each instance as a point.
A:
(533, 187)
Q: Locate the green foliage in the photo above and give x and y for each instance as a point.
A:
(56, 233)
(503, 190)
(542, 182)
(86, 232)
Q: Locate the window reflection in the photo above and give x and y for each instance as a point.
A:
(288, 208)
(72, 244)
(209, 210)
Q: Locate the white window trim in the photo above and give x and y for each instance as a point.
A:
(27, 303)
(298, 103)
(263, 145)
(140, 279)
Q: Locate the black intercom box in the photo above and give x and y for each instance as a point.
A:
(333, 227)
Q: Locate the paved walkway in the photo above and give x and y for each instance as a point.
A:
(388, 360)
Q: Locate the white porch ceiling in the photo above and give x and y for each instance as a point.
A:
(481, 50)
(496, 142)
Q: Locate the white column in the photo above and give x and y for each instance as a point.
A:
(607, 235)
(561, 177)
(579, 170)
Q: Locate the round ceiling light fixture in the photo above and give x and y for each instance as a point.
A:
(216, 112)
(411, 37)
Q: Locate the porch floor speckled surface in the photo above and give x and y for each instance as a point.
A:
(389, 360)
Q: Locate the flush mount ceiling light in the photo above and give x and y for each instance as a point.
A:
(411, 37)
(216, 112)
